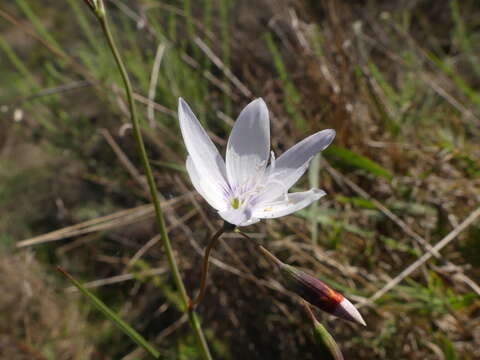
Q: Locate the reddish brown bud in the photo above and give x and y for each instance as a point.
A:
(316, 292)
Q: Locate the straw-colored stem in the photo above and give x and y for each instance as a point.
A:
(309, 311)
(193, 319)
(270, 256)
(264, 251)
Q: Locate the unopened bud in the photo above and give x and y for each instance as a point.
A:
(316, 292)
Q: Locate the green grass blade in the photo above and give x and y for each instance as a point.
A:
(37, 23)
(19, 64)
(225, 46)
(293, 98)
(84, 24)
(462, 33)
(105, 310)
(461, 83)
(350, 158)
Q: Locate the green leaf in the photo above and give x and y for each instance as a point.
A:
(357, 201)
(326, 343)
(105, 310)
(350, 158)
(448, 348)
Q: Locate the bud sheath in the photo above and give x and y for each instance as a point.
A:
(315, 291)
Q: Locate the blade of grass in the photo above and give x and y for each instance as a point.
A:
(17, 62)
(105, 310)
(225, 45)
(461, 83)
(84, 24)
(463, 35)
(37, 23)
(292, 96)
(348, 157)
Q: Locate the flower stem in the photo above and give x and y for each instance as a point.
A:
(203, 280)
(193, 319)
(270, 256)
(309, 311)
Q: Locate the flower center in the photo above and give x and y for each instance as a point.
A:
(235, 203)
(242, 194)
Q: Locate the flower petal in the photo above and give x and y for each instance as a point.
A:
(238, 217)
(208, 163)
(293, 202)
(291, 165)
(249, 144)
(204, 187)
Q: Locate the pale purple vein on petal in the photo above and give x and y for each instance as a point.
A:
(208, 162)
(292, 164)
(293, 202)
(205, 188)
(249, 144)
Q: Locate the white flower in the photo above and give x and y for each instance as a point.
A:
(243, 189)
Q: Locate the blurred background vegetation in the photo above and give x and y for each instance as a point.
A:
(400, 83)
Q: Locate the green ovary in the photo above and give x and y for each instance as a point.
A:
(235, 203)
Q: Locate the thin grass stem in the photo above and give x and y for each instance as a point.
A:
(193, 319)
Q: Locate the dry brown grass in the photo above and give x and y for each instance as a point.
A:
(37, 322)
(363, 68)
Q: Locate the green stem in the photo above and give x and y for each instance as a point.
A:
(193, 319)
(203, 280)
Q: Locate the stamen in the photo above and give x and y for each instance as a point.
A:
(272, 160)
(241, 194)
